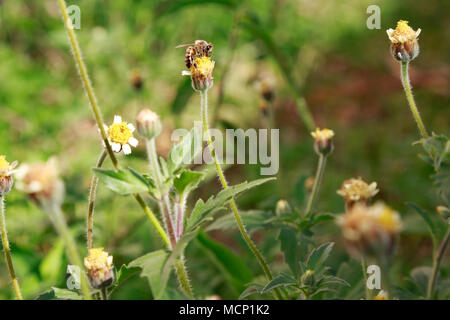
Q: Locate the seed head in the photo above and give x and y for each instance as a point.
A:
(356, 190)
(100, 268)
(404, 41)
(323, 141)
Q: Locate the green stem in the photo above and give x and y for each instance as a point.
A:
(104, 293)
(60, 224)
(436, 264)
(409, 96)
(7, 251)
(92, 196)
(248, 240)
(183, 277)
(97, 114)
(364, 271)
(317, 182)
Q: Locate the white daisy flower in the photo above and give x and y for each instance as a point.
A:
(120, 135)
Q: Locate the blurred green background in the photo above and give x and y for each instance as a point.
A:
(323, 49)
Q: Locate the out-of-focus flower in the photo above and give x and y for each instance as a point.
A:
(201, 73)
(370, 229)
(213, 297)
(120, 135)
(41, 182)
(382, 295)
(404, 41)
(136, 79)
(267, 91)
(282, 207)
(443, 211)
(148, 124)
(309, 183)
(100, 268)
(323, 141)
(357, 190)
(6, 172)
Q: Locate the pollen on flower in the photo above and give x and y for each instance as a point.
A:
(403, 33)
(99, 267)
(322, 135)
(204, 65)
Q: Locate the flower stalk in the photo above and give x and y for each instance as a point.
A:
(409, 96)
(436, 264)
(7, 250)
(245, 235)
(317, 182)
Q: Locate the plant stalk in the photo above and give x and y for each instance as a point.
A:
(245, 235)
(412, 103)
(436, 264)
(7, 251)
(317, 183)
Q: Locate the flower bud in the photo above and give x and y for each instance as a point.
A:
(283, 207)
(201, 73)
(41, 182)
(6, 179)
(100, 268)
(148, 124)
(323, 141)
(404, 41)
(308, 278)
(443, 211)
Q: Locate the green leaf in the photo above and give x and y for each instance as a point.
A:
(59, 294)
(427, 218)
(442, 183)
(187, 181)
(421, 276)
(169, 7)
(437, 148)
(52, 265)
(185, 151)
(282, 280)
(318, 256)
(184, 93)
(152, 265)
(253, 219)
(122, 182)
(251, 289)
(203, 210)
(124, 273)
(230, 265)
(290, 248)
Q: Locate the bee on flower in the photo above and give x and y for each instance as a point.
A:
(6, 172)
(41, 182)
(357, 190)
(100, 268)
(370, 229)
(120, 135)
(404, 41)
(200, 65)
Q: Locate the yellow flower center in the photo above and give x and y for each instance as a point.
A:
(403, 32)
(119, 133)
(389, 220)
(97, 259)
(322, 135)
(204, 66)
(4, 166)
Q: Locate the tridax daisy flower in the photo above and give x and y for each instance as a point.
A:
(354, 190)
(404, 41)
(120, 135)
(323, 141)
(201, 73)
(6, 172)
(100, 268)
(370, 229)
(41, 182)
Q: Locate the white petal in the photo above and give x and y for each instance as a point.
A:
(418, 32)
(185, 73)
(390, 31)
(117, 119)
(34, 186)
(105, 127)
(126, 149)
(133, 141)
(131, 127)
(115, 147)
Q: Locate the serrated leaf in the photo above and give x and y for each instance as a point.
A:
(124, 273)
(290, 248)
(230, 265)
(427, 218)
(121, 181)
(318, 256)
(152, 265)
(421, 276)
(59, 294)
(187, 181)
(253, 288)
(282, 280)
(253, 219)
(203, 210)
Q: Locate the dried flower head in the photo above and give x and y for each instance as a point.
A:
(120, 135)
(148, 124)
(100, 268)
(355, 190)
(41, 182)
(382, 295)
(404, 41)
(370, 229)
(201, 73)
(323, 141)
(6, 172)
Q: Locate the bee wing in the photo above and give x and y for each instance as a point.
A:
(184, 45)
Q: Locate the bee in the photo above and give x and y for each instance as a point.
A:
(200, 48)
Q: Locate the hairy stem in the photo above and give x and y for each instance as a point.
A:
(98, 116)
(317, 182)
(183, 277)
(245, 235)
(57, 218)
(7, 251)
(412, 103)
(436, 264)
(92, 196)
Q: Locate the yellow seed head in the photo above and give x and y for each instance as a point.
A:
(99, 267)
(323, 141)
(404, 41)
